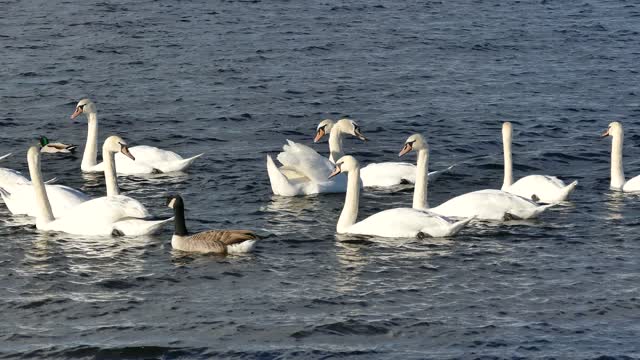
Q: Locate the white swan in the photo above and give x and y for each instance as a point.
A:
(400, 222)
(383, 174)
(19, 197)
(618, 181)
(148, 159)
(111, 215)
(541, 188)
(483, 204)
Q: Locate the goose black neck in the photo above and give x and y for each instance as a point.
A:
(180, 225)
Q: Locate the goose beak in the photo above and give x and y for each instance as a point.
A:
(605, 133)
(76, 113)
(405, 149)
(319, 135)
(125, 150)
(360, 136)
(335, 172)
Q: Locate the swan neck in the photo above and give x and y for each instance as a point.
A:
(180, 225)
(45, 215)
(110, 177)
(617, 169)
(335, 144)
(349, 212)
(508, 161)
(90, 156)
(422, 180)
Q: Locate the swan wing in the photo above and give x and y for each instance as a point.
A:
(388, 174)
(632, 185)
(489, 205)
(547, 189)
(403, 222)
(306, 161)
(10, 177)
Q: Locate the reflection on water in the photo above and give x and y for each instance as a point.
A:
(615, 205)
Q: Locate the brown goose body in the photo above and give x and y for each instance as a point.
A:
(213, 241)
(216, 241)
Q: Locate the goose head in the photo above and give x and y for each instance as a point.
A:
(85, 106)
(350, 127)
(614, 130)
(324, 127)
(174, 201)
(414, 142)
(115, 144)
(344, 164)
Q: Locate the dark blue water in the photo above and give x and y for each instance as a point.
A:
(234, 79)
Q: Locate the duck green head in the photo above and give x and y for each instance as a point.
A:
(44, 141)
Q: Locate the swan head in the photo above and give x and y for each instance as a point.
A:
(324, 127)
(507, 128)
(414, 142)
(350, 127)
(115, 144)
(614, 130)
(85, 106)
(174, 201)
(345, 164)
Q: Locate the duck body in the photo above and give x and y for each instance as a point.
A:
(49, 147)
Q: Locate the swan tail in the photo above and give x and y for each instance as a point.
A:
(540, 209)
(280, 185)
(5, 156)
(179, 165)
(137, 227)
(568, 189)
(459, 225)
(436, 174)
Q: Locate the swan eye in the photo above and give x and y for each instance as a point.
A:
(82, 106)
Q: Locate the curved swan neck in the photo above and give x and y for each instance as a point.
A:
(45, 215)
(349, 212)
(110, 177)
(180, 228)
(90, 156)
(508, 161)
(422, 180)
(617, 170)
(335, 144)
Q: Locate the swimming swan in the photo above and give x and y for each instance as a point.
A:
(212, 241)
(384, 174)
(149, 159)
(618, 181)
(483, 204)
(540, 188)
(113, 214)
(400, 222)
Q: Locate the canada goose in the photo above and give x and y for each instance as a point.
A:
(211, 241)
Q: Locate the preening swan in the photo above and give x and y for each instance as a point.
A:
(400, 222)
(212, 241)
(541, 188)
(48, 147)
(149, 159)
(618, 181)
(303, 170)
(482, 204)
(383, 174)
(113, 214)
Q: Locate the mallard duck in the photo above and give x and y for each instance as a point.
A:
(49, 147)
